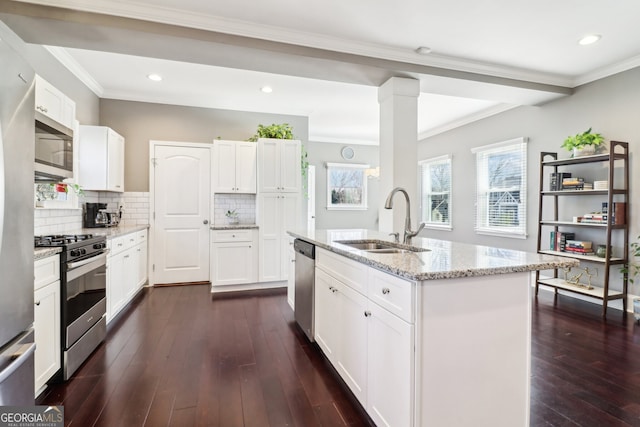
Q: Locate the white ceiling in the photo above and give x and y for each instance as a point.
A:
(504, 39)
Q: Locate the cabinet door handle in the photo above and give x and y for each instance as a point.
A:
(205, 222)
(385, 291)
(367, 313)
(37, 302)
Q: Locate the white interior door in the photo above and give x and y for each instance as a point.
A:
(311, 200)
(181, 191)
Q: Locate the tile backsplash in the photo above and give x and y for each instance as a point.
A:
(135, 211)
(244, 204)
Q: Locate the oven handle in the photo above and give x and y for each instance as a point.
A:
(72, 265)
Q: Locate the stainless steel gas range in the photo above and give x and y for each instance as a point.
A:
(83, 295)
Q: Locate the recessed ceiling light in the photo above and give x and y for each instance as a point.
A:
(423, 50)
(266, 89)
(590, 39)
(155, 77)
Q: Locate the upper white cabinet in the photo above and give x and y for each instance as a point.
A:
(235, 167)
(101, 157)
(279, 165)
(54, 104)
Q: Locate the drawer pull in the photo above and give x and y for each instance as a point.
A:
(385, 291)
(367, 313)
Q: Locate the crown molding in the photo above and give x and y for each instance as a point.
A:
(492, 111)
(76, 69)
(607, 71)
(342, 141)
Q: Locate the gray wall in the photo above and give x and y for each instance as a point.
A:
(611, 106)
(140, 122)
(48, 67)
(321, 153)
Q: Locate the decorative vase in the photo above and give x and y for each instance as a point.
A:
(232, 220)
(601, 251)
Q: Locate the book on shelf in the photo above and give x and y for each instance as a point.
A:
(573, 183)
(555, 181)
(558, 240)
(619, 213)
(583, 244)
(578, 251)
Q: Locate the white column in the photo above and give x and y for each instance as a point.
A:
(398, 99)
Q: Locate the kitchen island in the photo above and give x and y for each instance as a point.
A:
(430, 335)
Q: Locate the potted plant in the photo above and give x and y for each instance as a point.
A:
(584, 143)
(232, 216)
(281, 131)
(632, 269)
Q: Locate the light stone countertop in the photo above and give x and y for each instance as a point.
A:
(234, 226)
(444, 260)
(40, 253)
(112, 232)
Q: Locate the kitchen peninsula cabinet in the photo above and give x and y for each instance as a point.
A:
(356, 334)
(421, 334)
(46, 323)
(235, 167)
(101, 159)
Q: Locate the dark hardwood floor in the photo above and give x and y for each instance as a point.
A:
(177, 357)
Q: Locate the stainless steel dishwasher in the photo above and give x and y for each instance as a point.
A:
(305, 271)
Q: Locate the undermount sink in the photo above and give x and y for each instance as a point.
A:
(379, 246)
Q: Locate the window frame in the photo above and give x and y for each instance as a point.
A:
(347, 207)
(447, 158)
(483, 190)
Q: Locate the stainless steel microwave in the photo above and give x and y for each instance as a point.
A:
(54, 150)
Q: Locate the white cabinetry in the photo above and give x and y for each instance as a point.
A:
(234, 257)
(291, 278)
(54, 104)
(235, 167)
(101, 158)
(46, 297)
(126, 270)
(277, 213)
(279, 165)
(361, 325)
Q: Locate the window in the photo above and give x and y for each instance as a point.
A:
(435, 192)
(501, 207)
(346, 186)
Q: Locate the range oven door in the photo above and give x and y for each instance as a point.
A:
(84, 294)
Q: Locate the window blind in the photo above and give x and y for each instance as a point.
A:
(501, 199)
(435, 191)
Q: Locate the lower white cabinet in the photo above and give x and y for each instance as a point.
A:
(234, 259)
(126, 270)
(46, 323)
(371, 347)
(291, 277)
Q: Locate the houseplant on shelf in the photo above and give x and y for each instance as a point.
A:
(583, 144)
(632, 269)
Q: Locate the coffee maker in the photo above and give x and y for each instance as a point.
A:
(94, 215)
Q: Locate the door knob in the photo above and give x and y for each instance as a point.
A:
(205, 222)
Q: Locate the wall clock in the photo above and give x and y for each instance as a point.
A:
(347, 153)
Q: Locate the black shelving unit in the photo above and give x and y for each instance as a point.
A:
(615, 193)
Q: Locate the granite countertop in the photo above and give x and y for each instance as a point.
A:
(233, 226)
(40, 253)
(444, 260)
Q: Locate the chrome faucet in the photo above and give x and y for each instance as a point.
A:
(408, 233)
